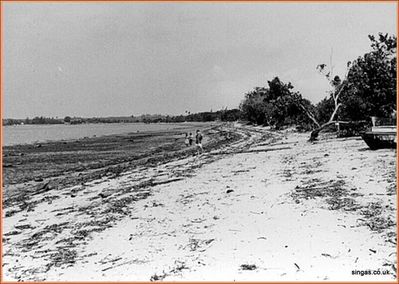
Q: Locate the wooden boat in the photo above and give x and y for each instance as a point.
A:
(381, 137)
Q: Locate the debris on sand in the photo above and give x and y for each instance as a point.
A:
(44, 188)
(376, 217)
(178, 267)
(62, 257)
(334, 191)
(157, 277)
(199, 245)
(248, 267)
(317, 188)
(105, 194)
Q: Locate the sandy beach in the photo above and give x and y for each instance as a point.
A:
(264, 206)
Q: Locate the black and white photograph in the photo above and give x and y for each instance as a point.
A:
(199, 141)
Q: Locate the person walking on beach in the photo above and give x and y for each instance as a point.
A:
(198, 142)
(190, 139)
(186, 140)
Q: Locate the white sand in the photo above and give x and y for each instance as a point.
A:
(192, 230)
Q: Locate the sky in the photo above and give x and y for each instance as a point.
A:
(116, 59)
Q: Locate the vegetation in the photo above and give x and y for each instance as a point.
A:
(276, 105)
(220, 115)
(371, 82)
(35, 120)
(367, 89)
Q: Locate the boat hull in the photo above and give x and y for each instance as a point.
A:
(380, 140)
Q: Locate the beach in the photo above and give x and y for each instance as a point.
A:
(257, 205)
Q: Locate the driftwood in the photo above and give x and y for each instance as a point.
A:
(265, 150)
(166, 181)
(251, 151)
(315, 133)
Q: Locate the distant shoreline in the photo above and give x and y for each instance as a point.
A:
(113, 122)
(44, 133)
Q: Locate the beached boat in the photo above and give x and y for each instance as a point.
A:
(381, 137)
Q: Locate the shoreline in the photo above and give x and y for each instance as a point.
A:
(35, 167)
(253, 209)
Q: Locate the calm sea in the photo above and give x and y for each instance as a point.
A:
(27, 134)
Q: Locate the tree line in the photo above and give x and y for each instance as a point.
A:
(220, 115)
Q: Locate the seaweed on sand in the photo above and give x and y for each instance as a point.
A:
(317, 188)
(62, 256)
(248, 267)
(334, 192)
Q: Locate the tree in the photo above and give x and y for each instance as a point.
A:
(368, 88)
(371, 89)
(337, 87)
(253, 108)
(276, 105)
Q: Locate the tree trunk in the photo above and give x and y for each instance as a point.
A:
(310, 115)
(335, 95)
(315, 133)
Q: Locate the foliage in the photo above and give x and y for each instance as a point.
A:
(371, 82)
(324, 109)
(230, 114)
(276, 105)
(368, 89)
(253, 108)
(43, 120)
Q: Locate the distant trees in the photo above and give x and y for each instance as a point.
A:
(220, 115)
(43, 120)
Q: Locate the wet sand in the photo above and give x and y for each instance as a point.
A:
(265, 206)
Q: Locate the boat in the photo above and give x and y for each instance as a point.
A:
(381, 137)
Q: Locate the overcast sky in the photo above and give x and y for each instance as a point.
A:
(102, 59)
